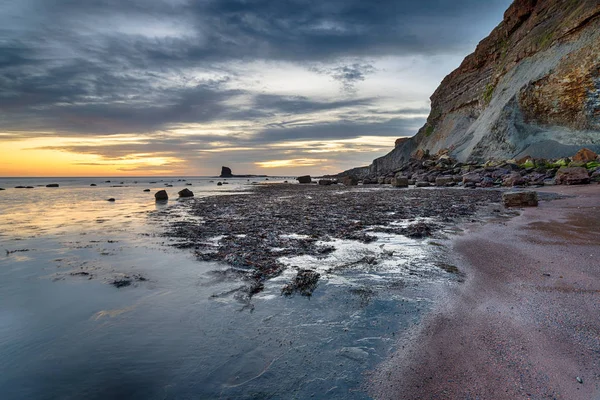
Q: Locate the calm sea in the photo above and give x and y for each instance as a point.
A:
(176, 332)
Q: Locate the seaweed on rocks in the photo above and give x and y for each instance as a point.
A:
(251, 232)
(305, 283)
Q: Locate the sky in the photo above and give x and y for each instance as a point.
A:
(182, 87)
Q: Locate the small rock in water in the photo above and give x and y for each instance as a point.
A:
(2, 189)
(122, 282)
(111, 199)
(52, 185)
(93, 184)
(304, 282)
(161, 195)
(186, 193)
(219, 183)
(146, 190)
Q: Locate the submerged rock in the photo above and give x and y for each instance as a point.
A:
(161, 195)
(305, 282)
(520, 199)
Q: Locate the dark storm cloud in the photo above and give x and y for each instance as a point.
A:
(340, 130)
(302, 104)
(102, 66)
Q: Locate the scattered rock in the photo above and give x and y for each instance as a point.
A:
(2, 189)
(188, 184)
(52, 185)
(585, 155)
(422, 184)
(93, 184)
(146, 190)
(305, 282)
(471, 177)
(350, 181)
(520, 199)
(400, 182)
(304, 179)
(326, 182)
(572, 176)
(112, 199)
(219, 183)
(444, 180)
(121, 282)
(161, 195)
(186, 193)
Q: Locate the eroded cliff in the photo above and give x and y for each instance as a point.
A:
(532, 87)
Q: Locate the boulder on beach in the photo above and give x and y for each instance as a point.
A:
(444, 180)
(350, 180)
(520, 199)
(52, 185)
(304, 179)
(585, 155)
(400, 181)
(572, 176)
(161, 195)
(471, 177)
(186, 193)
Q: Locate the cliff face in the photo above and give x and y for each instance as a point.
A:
(532, 87)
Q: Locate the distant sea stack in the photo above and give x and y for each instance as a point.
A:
(532, 87)
(226, 173)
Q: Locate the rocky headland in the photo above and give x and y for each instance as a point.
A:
(531, 88)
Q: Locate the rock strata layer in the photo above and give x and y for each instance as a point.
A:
(532, 87)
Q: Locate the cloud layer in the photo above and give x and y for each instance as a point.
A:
(190, 79)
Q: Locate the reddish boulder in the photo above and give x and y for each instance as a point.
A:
(572, 176)
(585, 155)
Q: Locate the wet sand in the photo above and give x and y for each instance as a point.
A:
(525, 324)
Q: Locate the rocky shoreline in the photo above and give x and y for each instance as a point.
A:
(440, 169)
(250, 233)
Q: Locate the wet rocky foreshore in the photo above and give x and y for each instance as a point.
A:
(250, 232)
